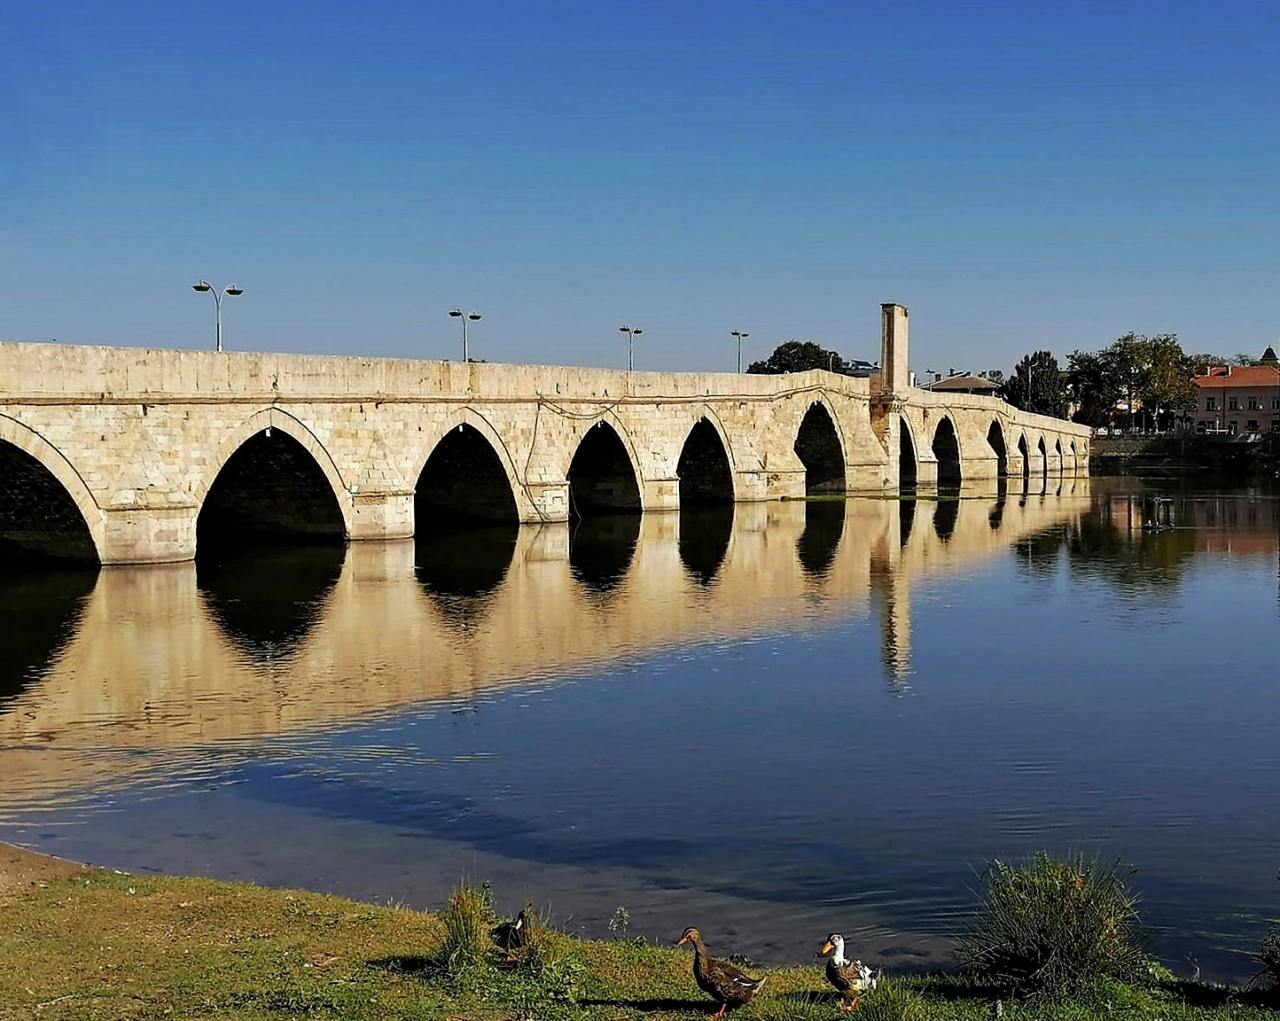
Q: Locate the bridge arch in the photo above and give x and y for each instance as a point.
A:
(995, 440)
(1044, 459)
(906, 456)
(465, 477)
(1075, 459)
(818, 446)
(1025, 453)
(946, 448)
(704, 470)
(273, 477)
(603, 477)
(50, 511)
(1057, 448)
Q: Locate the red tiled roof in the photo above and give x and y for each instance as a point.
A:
(1245, 376)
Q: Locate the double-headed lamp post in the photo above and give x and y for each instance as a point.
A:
(233, 290)
(467, 317)
(741, 337)
(632, 332)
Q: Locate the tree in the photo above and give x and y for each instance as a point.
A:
(798, 356)
(1165, 386)
(995, 375)
(1036, 386)
(1092, 386)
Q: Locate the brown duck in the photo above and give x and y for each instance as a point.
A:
(851, 978)
(720, 979)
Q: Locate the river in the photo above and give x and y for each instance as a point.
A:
(772, 722)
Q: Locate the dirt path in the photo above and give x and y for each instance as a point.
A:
(20, 870)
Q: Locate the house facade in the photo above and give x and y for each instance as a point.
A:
(1238, 399)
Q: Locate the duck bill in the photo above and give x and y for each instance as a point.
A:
(827, 947)
(682, 940)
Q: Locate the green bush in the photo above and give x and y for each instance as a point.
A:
(1268, 956)
(467, 920)
(1054, 927)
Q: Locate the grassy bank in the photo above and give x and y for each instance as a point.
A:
(82, 943)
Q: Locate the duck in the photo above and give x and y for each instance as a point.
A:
(851, 978)
(512, 936)
(729, 985)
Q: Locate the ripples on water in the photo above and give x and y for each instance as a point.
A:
(771, 721)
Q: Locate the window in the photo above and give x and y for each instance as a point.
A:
(1275, 403)
(1233, 403)
(1233, 427)
(1252, 425)
(1253, 404)
(1211, 404)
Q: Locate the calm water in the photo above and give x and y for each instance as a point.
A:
(772, 723)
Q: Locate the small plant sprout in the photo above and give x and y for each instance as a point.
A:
(619, 922)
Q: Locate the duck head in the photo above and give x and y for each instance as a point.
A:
(690, 935)
(835, 942)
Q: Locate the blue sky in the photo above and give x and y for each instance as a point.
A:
(1021, 175)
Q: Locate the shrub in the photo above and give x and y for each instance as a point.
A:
(467, 921)
(1054, 927)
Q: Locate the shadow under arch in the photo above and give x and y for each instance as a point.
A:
(1057, 449)
(1044, 460)
(946, 448)
(1075, 459)
(704, 471)
(602, 479)
(906, 457)
(820, 541)
(464, 480)
(39, 613)
(818, 447)
(1025, 453)
(995, 440)
(39, 519)
(271, 490)
(267, 600)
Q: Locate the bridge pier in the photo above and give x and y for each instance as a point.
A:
(148, 534)
(380, 516)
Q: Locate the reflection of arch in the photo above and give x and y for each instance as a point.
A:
(602, 475)
(461, 565)
(464, 478)
(704, 472)
(906, 518)
(1044, 459)
(1025, 453)
(820, 540)
(946, 448)
(705, 531)
(818, 447)
(995, 439)
(39, 613)
(272, 485)
(601, 547)
(45, 506)
(267, 601)
(945, 515)
(906, 456)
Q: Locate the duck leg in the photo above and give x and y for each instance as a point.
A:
(720, 1013)
(851, 1004)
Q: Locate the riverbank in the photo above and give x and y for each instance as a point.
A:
(79, 942)
(1176, 455)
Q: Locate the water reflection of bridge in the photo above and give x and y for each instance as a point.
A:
(184, 655)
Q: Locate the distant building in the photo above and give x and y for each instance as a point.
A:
(1238, 398)
(963, 383)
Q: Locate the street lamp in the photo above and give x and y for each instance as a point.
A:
(469, 317)
(233, 290)
(741, 337)
(632, 332)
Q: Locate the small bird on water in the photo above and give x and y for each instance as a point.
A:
(851, 978)
(729, 985)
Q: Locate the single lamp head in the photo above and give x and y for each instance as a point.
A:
(233, 290)
(474, 316)
(456, 313)
(203, 285)
(637, 331)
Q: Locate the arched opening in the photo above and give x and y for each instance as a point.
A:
(906, 457)
(820, 540)
(944, 517)
(1044, 459)
(995, 439)
(266, 601)
(1075, 459)
(601, 477)
(704, 472)
(38, 517)
(271, 490)
(39, 613)
(1025, 454)
(463, 480)
(461, 565)
(1057, 449)
(601, 547)
(818, 447)
(946, 448)
(705, 530)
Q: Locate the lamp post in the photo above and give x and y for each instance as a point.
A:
(232, 290)
(632, 332)
(468, 317)
(741, 337)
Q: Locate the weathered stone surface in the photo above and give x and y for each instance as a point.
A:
(137, 437)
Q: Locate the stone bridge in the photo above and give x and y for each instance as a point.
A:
(132, 455)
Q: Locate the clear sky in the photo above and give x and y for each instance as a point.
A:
(1021, 175)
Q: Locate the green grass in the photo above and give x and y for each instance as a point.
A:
(107, 946)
